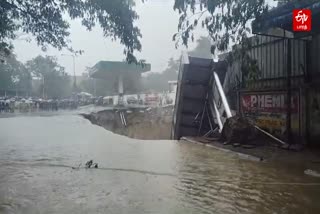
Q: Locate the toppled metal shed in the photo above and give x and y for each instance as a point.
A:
(193, 82)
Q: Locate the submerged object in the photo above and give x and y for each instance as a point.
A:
(89, 163)
(312, 172)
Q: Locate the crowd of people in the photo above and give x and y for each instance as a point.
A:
(33, 104)
(151, 99)
(18, 104)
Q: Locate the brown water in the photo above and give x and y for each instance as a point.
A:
(37, 153)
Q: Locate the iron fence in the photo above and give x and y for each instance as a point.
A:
(270, 55)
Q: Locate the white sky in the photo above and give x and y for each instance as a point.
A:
(158, 22)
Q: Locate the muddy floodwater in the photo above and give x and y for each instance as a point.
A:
(37, 153)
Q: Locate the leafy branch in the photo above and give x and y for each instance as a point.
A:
(227, 21)
(44, 20)
(185, 28)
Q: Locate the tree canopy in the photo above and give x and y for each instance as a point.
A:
(45, 20)
(158, 82)
(14, 77)
(55, 82)
(227, 21)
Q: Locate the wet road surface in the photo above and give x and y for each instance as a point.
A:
(37, 154)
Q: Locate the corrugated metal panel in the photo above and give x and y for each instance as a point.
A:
(197, 75)
(315, 67)
(193, 83)
(233, 77)
(195, 91)
(270, 54)
(189, 106)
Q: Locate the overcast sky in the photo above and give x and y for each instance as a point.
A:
(158, 22)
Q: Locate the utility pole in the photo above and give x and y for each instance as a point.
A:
(289, 93)
(43, 85)
(95, 87)
(74, 71)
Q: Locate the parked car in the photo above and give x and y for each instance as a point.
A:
(152, 99)
(132, 100)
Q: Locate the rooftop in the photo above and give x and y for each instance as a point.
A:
(107, 69)
(281, 17)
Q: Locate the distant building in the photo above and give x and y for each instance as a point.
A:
(173, 86)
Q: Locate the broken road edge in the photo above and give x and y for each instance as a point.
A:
(239, 154)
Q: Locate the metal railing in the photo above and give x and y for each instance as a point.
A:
(218, 112)
(218, 103)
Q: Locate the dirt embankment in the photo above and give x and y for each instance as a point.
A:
(152, 124)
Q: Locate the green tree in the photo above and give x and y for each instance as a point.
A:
(97, 87)
(6, 82)
(159, 81)
(45, 20)
(14, 77)
(55, 81)
(227, 21)
(87, 84)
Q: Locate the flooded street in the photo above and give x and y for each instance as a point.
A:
(37, 154)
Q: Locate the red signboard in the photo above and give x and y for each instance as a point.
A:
(301, 20)
(268, 110)
(152, 98)
(267, 103)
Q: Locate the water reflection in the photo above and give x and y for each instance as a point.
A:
(37, 153)
(222, 183)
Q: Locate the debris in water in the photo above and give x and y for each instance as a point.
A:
(89, 163)
(247, 146)
(236, 130)
(312, 172)
(76, 167)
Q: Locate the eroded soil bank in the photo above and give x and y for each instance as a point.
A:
(148, 124)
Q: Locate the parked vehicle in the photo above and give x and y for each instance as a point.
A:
(132, 100)
(152, 99)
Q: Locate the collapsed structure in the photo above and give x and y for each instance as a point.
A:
(275, 84)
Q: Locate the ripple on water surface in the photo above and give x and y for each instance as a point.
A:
(37, 155)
